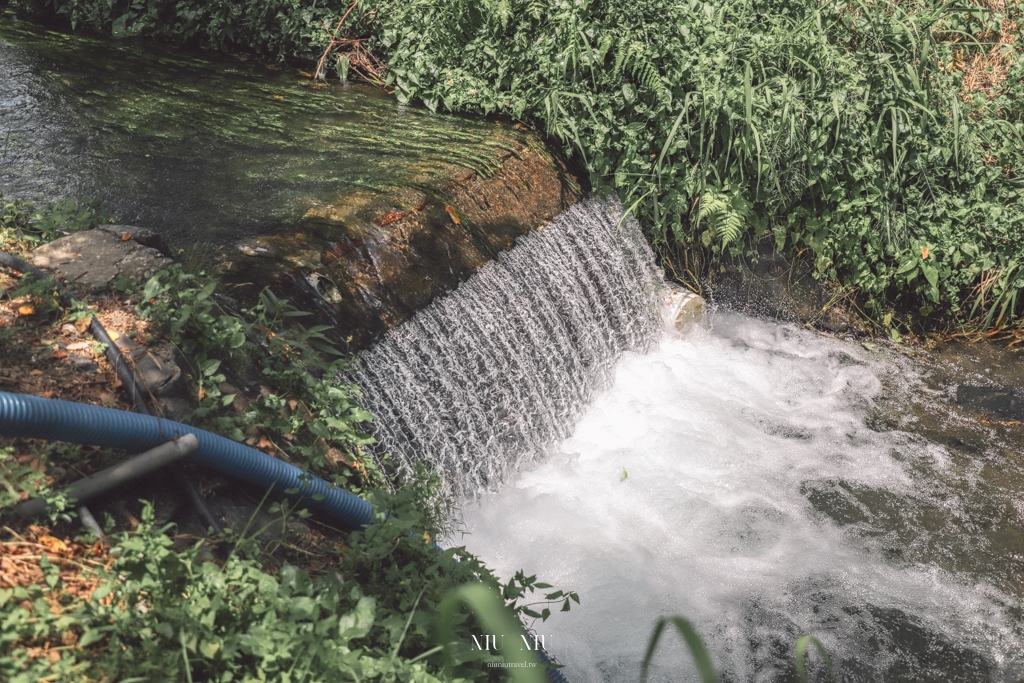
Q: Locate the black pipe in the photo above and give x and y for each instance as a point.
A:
(112, 477)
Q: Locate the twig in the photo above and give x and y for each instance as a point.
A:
(334, 41)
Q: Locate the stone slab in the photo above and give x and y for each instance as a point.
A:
(94, 260)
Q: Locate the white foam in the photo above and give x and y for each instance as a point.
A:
(720, 432)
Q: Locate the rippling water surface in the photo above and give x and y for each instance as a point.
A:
(201, 146)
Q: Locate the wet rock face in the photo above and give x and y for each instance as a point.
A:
(784, 289)
(366, 265)
(94, 260)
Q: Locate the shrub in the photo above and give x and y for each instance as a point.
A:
(157, 613)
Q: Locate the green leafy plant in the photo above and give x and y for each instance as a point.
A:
(21, 480)
(160, 612)
(299, 406)
(42, 292)
(18, 480)
(22, 226)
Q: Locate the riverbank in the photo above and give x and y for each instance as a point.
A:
(897, 176)
(69, 599)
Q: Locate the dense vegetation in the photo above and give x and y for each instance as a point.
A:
(882, 139)
(153, 612)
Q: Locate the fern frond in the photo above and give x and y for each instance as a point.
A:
(535, 8)
(632, 58)
(647, 75)
(711, 203)
(729, 225)
(625, 57)
(725, 212)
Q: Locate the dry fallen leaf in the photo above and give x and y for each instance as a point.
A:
(114, 336)
(52, 544)
(36, 373)
(125, 236)
(59, 354)
(82, 324)
(924, 253)
(26, 310)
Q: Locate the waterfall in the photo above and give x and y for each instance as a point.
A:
(489, 376)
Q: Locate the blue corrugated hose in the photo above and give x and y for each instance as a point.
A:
(40, 418)
(32, 417)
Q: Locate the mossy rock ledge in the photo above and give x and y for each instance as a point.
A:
(365, 264)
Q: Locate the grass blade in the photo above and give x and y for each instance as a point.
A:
(693, 641)
(799, 654)
(494, 616)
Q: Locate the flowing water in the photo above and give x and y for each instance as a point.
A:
(743, 477)
(489, 378)
(204, 147)
(761, 480)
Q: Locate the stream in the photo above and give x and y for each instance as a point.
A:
(210, 148)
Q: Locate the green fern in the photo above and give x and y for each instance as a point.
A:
(536, 8)
(725, 212)
(632, 58)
